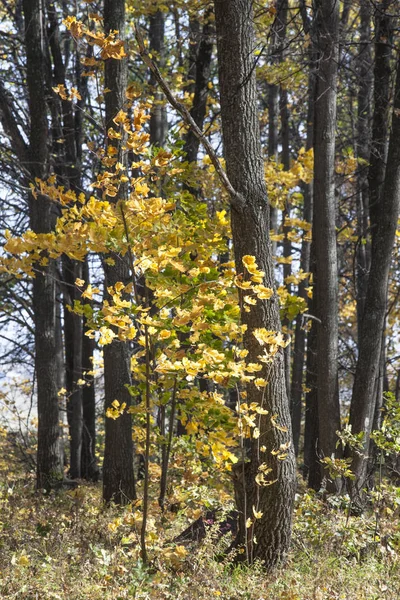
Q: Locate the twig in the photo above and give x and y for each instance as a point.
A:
(237, 200)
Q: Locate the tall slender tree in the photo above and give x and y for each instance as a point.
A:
(250, 227)
(42, 217)
(324, 223)
(118, 474)
(384, 216)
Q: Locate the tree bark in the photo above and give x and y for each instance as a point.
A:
(383, 236)
(278, 33)
(324, 225)
(305, 265)
(49, 464)
(250, 227)
(365, 75)
(200, 70)
(89, 466)
(158, 119)
(118, 475)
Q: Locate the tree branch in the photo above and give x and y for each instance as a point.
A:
(237, 200)
(11, 128)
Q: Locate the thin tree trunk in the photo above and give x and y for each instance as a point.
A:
(365, 74)
(312, 468)
(200, 70)
(278, 33)
(305, 265)
(89, 467)
(118, 475)
(158, 119)
(73, 364)
(324, 230)
(250, 226)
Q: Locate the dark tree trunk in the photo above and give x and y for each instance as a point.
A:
(380, 122)
(67, 123)
(312, 469)
(278, 33)
(89, 467)
(250, 227)
(158, 120)
(305, 265)
(285, 142)
(199, 69)
(73, 365)
(324, 225)
(118, 475)
(383, 236)
(365, 75)
(49, 464)
(60, 372)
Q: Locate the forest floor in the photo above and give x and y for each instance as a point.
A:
(68, 545)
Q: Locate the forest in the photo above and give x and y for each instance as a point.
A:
(200, 299)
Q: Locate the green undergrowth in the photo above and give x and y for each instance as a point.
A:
(68, 545)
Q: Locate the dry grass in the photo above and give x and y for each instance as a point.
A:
(69, 546)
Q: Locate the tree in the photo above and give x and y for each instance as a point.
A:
(118, 475)
(49, 467)
(324, 232)
(250, 227)
(384, 222)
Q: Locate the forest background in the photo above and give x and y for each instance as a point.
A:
(199, 298)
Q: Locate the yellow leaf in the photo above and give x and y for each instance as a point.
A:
(23, 560)
(257, 514)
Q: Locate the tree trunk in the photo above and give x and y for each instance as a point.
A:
(305, 265)
(73, 365)
(250, 227)
(118, 475)
(89, 467)
(158, 119)
(324, 225)
(383, 236)
(49, 464)
(200, 69)
(278, 33)
(363, 154)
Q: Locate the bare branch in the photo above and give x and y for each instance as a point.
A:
(237, 200)
(11, 128)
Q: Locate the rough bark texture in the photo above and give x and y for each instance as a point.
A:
(383, 235)
(118, 475)
(324, 232)
(49, 464)
(250, 226)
